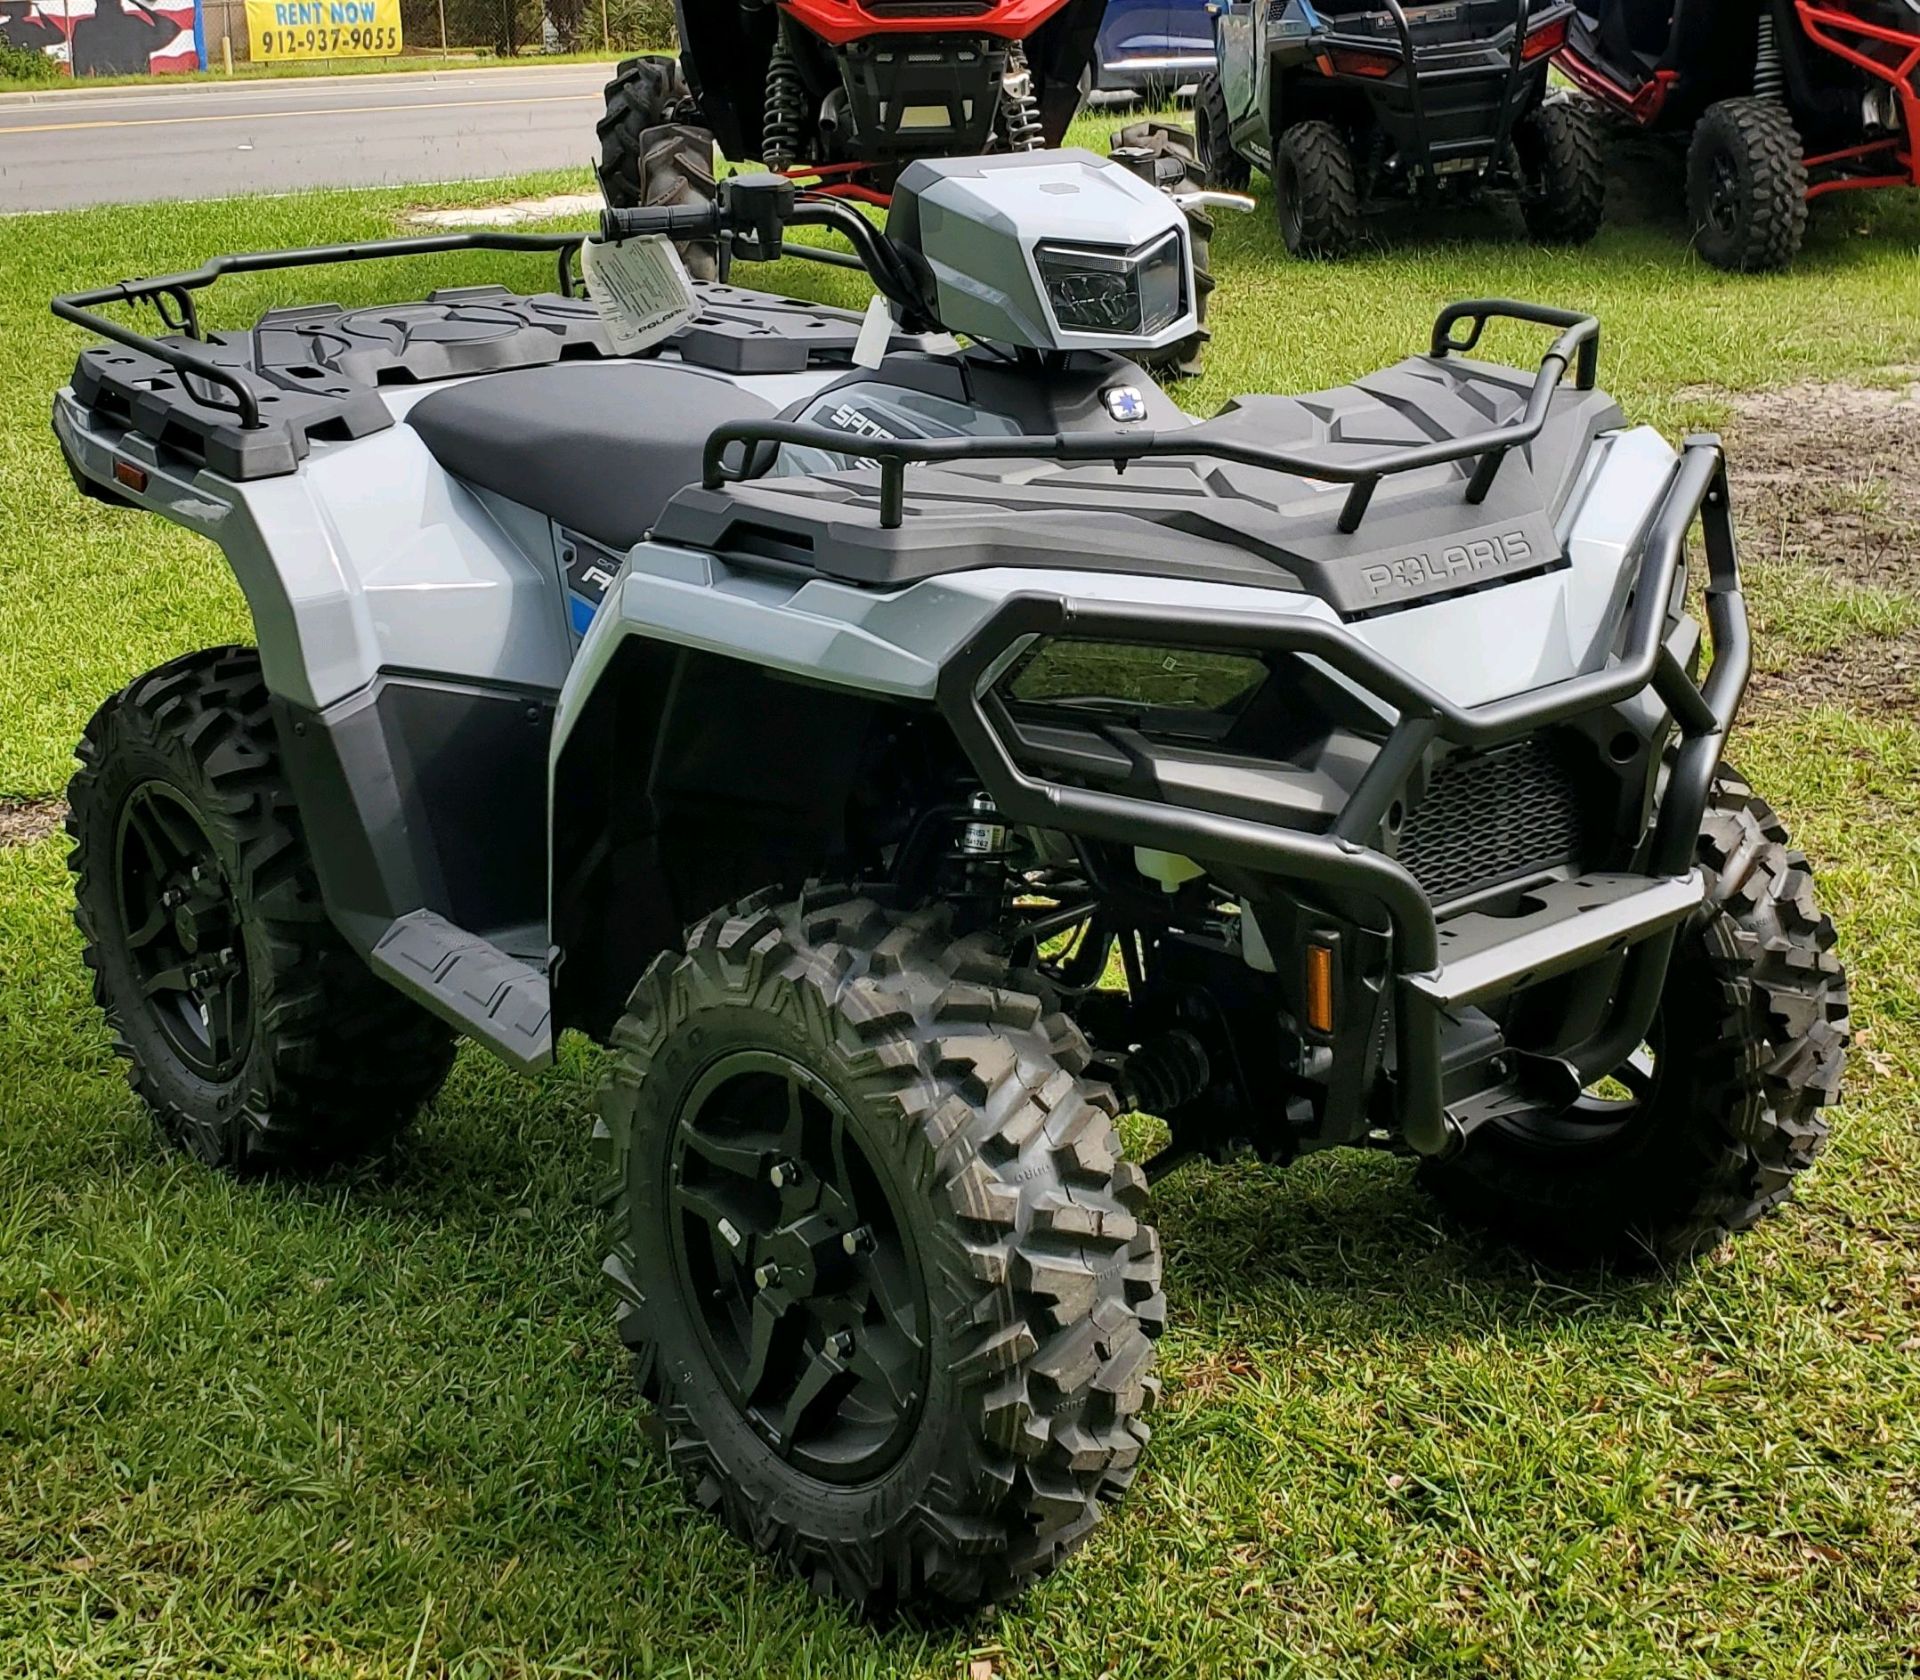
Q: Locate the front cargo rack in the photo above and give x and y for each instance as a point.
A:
(1578, 346)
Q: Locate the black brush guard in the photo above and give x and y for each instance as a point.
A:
(1342, 860)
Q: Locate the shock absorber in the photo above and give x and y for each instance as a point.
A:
(982, 844)
(1019, 109)
(786, 106)
(1769, 74)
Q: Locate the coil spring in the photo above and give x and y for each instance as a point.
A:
(1769, 75)
(1019, 110)
(786, 106)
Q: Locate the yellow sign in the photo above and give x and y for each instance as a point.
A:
(290, 29)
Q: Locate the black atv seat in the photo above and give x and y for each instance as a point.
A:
(598, 446)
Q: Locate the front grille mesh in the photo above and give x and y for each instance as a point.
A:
(1493, 817)
(927, 8)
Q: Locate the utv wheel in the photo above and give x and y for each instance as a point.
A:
(1563, 173)
(879, 1262)
(254, 1032)
(1225, 168)
(1747, 186)
(1316, 192)
(1172, 163)
(1705, 1130)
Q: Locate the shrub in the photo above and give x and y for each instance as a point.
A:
(27, 64)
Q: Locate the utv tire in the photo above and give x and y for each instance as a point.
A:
(1748, 1048)
(1224, 167)
(879, 1262)
(652, 154)
(1747, 186)
(644, 93)
(1177, 168)
(1563, 172)
(1316, 191)
(254, 1032)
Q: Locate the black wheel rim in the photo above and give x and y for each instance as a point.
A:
(803, 1280)
(181, 931)
(1723, 195)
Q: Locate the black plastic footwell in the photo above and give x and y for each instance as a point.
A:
(490, 996)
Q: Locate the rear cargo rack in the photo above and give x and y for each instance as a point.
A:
(1578, 346)
(172, 298)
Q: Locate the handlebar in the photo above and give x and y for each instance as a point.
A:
(754, 212)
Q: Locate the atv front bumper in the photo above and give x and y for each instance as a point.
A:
(1435, 970)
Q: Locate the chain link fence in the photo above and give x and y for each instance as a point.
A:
(516, 26)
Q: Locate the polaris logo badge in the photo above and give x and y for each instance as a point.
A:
(1458, 564)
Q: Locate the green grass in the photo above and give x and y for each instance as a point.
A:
(413, 63)
(377, 1425)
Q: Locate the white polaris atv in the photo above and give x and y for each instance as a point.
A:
(908, 768)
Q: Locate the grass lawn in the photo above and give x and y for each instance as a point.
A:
(377, 1425)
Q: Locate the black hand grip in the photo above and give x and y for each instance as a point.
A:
(678, 221)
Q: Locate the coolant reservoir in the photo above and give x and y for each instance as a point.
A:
(1170, 869)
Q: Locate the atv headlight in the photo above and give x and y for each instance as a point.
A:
(1113, 292)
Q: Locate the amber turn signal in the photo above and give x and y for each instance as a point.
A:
(1320, 988)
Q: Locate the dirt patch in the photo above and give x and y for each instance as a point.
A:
(1875, 675)
(23, 821)
(1829, 475)
(512, 213)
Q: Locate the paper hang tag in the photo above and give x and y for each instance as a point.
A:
(640, 289)
(876, 333)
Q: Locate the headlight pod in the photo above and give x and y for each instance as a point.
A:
(1115, 293)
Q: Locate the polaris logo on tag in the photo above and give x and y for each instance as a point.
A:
(1458, 564)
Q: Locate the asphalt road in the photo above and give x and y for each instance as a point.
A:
(210, 140)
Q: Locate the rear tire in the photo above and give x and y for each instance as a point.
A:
(996, 1269)
(256, 1035)
(1316, 191)
(1747, 186)
(1224, 167)
(1563, 172)
(1749, 1047)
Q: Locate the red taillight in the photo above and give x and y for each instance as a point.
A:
(1548, 38)
(134, 478)
(1358, 61)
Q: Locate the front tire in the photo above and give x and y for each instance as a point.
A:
(1747, 186)
(1709, 1131)
(651, 155)
(254, 1032)
(879, 1262)
(1316, 191)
